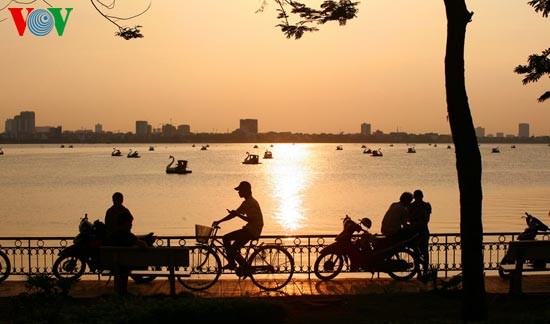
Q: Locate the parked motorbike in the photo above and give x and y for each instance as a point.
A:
(368, 253)
(72, 260)
(534, 227)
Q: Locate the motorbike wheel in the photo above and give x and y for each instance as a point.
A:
(5, 267)
(69, 267)
(503, 273)
(328, 266)
(412, 270)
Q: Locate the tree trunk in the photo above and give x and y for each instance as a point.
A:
(468, 163)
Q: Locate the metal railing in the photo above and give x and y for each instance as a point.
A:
(36, 255)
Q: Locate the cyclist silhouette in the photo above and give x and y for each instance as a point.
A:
(250, 212)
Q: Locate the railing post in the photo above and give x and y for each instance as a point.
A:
(29, 251)
(309, 258)
(447, 256)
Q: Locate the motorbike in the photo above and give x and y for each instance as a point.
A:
(534, 227)
(84, 252)
(368, 253)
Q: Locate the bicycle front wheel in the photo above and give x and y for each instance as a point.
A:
(205, 269)
(271, 267)
(5, 266)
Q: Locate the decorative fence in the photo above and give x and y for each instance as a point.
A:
(36, 255)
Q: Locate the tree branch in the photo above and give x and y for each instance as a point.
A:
(330, 10)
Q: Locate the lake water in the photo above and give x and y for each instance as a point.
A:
(304, 189)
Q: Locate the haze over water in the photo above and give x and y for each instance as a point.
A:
(304, 189)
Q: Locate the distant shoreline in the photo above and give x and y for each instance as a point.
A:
(203, 138)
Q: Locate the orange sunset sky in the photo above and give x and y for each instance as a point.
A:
(209, 63)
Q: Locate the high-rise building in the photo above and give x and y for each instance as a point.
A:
(142, 128)
(184, 129)
(9, 126)
(365, 129)
(480, 132)
(523, 130)
(22, 124)
(98, 128)
(249, 126)
(26, 122)
(168, 130)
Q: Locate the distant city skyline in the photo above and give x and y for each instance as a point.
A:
(385, 68)
(25, 123)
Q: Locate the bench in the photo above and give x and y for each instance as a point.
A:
(119, 258)
(521, 251)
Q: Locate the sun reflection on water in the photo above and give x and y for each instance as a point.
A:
(290, 178)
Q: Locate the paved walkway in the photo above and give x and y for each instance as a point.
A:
(297, 287)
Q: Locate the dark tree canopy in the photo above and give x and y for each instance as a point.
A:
(329, 10)
(537, 65)
(541, 5)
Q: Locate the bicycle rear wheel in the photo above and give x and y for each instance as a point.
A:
(205, 269)
(271, 267)
(5, 266)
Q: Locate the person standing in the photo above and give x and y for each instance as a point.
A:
(420, 212)
(251, 213)
(118, 232)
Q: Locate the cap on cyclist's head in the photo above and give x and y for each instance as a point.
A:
(244, 186)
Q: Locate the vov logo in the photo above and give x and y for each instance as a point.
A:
(40, 22)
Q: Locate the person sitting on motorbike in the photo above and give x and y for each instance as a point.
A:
(118, 225)
(250, 212)
(394, 223)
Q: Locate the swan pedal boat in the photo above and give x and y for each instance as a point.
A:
(252, 159)
(133, 154)
(180, 168)
(377, 153)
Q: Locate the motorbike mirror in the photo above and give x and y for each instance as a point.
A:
(366, 222)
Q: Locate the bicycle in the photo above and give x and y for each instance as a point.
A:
(5, 266)
(269, 266)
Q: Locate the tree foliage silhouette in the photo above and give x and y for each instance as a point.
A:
(468, 157)
(537, 65)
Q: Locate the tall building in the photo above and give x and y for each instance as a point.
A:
(22, 124)
(26, 122)
(98, 128)
(365, 129)
(184, 129)
(523, 130)
(168, 130)
(249, 126)
(500, 134)
(480, 132)
(142, 128)
(9, 126)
